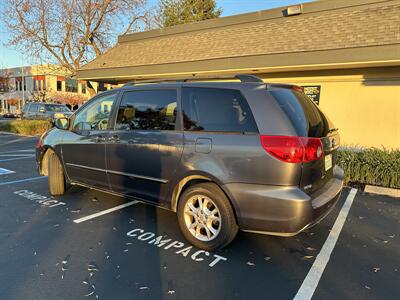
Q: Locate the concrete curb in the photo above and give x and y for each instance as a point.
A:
(382, 191)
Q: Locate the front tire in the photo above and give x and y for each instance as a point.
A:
(56, 176)
(206, 217)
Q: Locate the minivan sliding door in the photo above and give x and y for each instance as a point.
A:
(144, 149)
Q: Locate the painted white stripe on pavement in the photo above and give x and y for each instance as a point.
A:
(30, 155)
(5, 171)
(311, 281)
(9, 159)
(107, 211)
(22, 180)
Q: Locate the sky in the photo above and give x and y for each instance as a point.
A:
(13, 58)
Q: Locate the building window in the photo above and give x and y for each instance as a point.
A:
(59, 85)
(39, 83)
(83, 88)
(71, 85)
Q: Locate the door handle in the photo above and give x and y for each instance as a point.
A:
(100, 139)
(114, 139)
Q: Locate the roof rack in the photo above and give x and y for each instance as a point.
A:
(245, 78)
(249, 78)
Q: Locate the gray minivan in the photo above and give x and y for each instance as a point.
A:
(223, 155)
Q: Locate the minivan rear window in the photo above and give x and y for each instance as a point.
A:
(217, 110)
(304, 115)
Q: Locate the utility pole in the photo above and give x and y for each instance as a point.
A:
(23, 88)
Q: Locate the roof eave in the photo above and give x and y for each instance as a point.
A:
(375, 56)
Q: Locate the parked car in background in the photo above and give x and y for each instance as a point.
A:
(44, 111)
(9, 115)
(223, 155)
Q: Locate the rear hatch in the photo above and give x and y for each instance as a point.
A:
(309, 121)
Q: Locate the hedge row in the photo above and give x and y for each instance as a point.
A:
(27, 127)
(373, 166)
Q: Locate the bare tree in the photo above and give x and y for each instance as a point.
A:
(70, 32)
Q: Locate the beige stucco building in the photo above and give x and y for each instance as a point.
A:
(346, 52)
(35, 82)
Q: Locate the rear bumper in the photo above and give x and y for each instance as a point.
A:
(283, 211)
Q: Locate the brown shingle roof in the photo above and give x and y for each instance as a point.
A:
(371, 24)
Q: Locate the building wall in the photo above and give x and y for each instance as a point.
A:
(49, 72)
(363, 103)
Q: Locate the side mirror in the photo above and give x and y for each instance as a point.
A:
(61, 123)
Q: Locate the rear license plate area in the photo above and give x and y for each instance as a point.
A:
(328, 162)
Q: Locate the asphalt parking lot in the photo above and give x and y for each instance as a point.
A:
(89, 244)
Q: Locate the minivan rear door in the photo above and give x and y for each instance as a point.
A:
(144, 149)
(309, 121)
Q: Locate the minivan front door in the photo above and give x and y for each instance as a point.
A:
(83, 148)
(144, 149)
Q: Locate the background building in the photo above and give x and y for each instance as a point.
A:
(346, 52)
(38, 83)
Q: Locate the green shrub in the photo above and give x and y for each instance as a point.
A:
(373, 166)
(27, 127)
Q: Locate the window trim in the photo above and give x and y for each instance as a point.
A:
(178, 125)
(87, 103)
(219, 132)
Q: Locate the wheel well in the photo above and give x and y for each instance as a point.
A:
(189, 181)
(44, 165)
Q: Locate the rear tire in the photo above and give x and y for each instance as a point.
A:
(56, 175)
(206, 217)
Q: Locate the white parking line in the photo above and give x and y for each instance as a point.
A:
(21, 150)
(107, 211)
(30, 155)
(311, 281)
(6, 171)
(22, 180)
(17, 158)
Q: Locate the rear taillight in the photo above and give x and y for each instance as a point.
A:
(293, 149)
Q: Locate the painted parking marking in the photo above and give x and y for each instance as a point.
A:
(22, 180)
(16, 155)
(19, 140)
(104, 212)
(17, 158)
(182, 249)
(6, 171)
(311, 281)
(41, 199)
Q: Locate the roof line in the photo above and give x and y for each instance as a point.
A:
(246, 56)
(262, 15)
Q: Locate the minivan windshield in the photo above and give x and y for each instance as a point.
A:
(57, 108)
(307, 119)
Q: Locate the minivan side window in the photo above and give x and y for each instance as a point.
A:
(214, 109)
(95, 115)
(147, 110)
